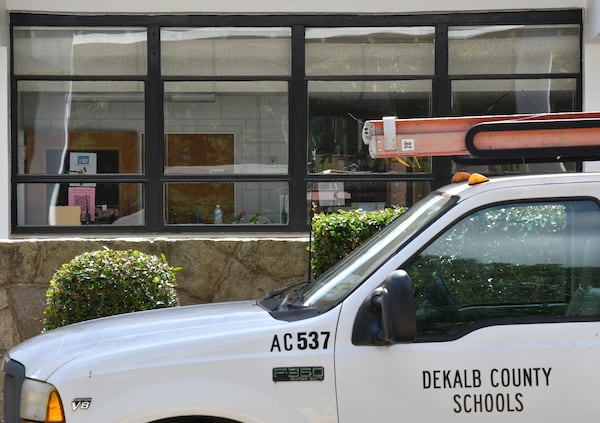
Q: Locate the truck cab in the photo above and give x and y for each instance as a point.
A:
(480, 303)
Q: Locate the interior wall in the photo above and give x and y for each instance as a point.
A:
(260, 127)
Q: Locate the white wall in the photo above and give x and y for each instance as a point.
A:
(591, 66)
(279, 6)
(591, 81)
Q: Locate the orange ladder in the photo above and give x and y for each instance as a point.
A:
(573, 134)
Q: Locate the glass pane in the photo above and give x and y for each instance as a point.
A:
(513, 49)
(370, 51)
(337, 110)
(79, 51)
(101, 203)
(60, 120)
(508, 96)
(226, 203)
(230, 127)
(511, 261)
(485, 97)
(226, 51)
(328, 197)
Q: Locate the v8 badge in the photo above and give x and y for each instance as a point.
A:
(81, 404)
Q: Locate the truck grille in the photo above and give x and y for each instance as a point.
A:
(14, 374)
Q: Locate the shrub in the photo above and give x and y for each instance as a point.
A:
(107, 282)
(336, 234)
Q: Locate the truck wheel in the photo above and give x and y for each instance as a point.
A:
(195, 419)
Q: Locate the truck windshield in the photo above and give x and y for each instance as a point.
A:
(335, 284)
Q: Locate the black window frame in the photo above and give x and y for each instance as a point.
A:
(153, 179)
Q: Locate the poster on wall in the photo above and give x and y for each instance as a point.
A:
(85, 198)
(83, 163)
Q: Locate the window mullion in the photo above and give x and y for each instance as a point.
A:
(298, 133)
(154, 153)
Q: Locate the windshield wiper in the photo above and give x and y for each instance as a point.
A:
(276, 292)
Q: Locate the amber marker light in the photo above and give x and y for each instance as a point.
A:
(55, 413)
(460, 177)
(477, 178)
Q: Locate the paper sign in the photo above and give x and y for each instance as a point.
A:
(85, 198)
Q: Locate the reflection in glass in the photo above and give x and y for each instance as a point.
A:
(225, 128)
(513, 49)
(330, 196)
(79, 51)
(337, 111)
(226, 51)
(503, 97)
(508, 96)
(370, 51)
(226, 203)
(71, 204)
(60, 119)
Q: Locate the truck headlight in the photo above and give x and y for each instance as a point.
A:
(40, 402)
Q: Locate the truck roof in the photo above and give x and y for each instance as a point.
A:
(463, 189)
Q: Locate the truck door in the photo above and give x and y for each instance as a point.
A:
(507, 305)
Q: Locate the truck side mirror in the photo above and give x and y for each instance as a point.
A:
(387, 316)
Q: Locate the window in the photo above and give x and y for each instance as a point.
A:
(79, 125)
(376, 66)
(523, 262)
(370, 51)
(79, 50)
(513, 49)
(224, 129)
(505, 69)
(218, 51)
(147, 123)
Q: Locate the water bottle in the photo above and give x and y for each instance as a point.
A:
(218, 215)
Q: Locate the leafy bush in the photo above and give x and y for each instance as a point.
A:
(336, 234)
(107, 282)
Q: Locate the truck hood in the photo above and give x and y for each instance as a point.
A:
(44, 354)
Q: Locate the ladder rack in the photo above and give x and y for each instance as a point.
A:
(554, 136)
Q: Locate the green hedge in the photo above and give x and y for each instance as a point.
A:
(334, 235)
(107, 282)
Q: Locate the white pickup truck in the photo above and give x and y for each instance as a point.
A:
(479, 304)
